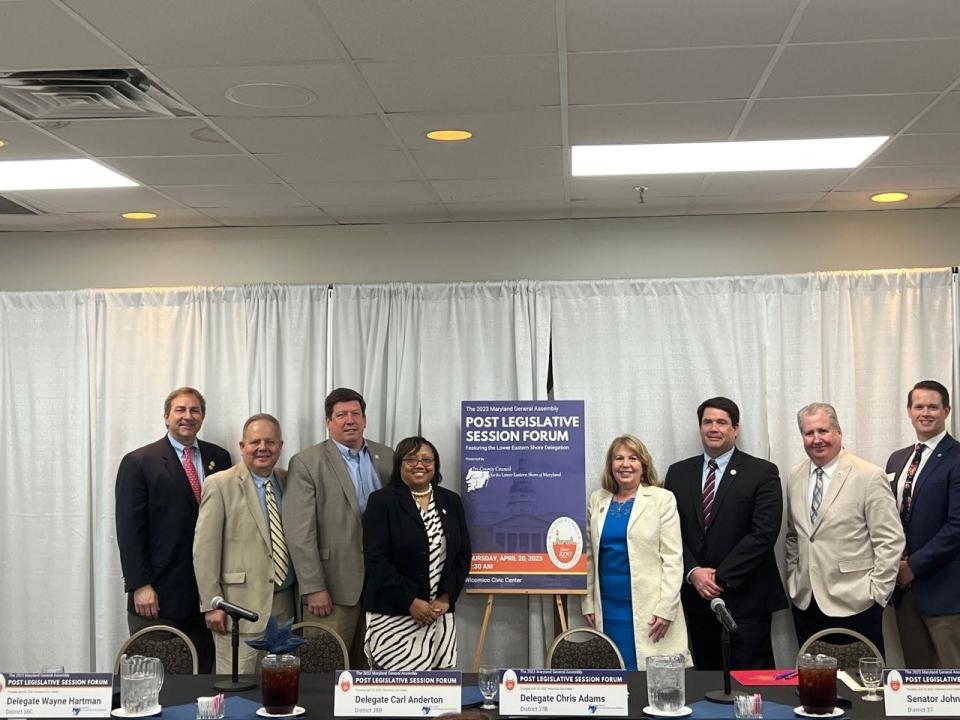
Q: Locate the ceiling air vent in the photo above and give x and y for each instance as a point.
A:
(9, 207)
(82, 94)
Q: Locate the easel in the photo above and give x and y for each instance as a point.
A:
(488, 611)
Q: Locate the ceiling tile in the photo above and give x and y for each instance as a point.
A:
(604, 188)
(633, 77)
(653, 123)
(142, 137)
(115, 200)
(663, 206)
(938, 149)
(331, 85)
(905, 178)
(827, 117)
(235, 196)
(864, 68)
(877, 19)
(464, 84)
(862, 201)
(462, 161)
(340, 165)
(265, 217)
(41, 36)
(754, 203)
(632, 25)
(768, 183)
(942, 117)
(25, 142)
(467, 212)
(387, 29)
(521, 128)
(304, 135)
(213, 170)
(368, 193)
(516, 190)
(211, 32)
(377, 214)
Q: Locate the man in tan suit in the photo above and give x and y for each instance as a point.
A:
(844, 537)
(239, 549)
(327, 490)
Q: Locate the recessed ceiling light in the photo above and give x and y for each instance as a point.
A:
(889, 197)
(2, 142)
(449, 135)
(755, 155)
(139, 215)
(58, 175)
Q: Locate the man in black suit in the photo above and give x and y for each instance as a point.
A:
(730, 506)
(157, 500)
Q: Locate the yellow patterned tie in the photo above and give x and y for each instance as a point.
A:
(281, 559)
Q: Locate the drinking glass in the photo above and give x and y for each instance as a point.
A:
(488, 679)
(871, 672)
(280, 683)
(817, 680)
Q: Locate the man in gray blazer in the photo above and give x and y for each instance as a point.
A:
(327, 489)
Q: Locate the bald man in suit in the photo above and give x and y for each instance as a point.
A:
(844, 538)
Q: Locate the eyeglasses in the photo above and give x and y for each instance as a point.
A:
(414, 461)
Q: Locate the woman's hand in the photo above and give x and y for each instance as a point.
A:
(658, 628)
(440, 605)
(591, 619)
(422, 612)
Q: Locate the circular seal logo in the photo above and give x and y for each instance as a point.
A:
(564, 543)
(345, 681)
(509, 680)
(894, 681)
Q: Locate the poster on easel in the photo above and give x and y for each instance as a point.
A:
(523, 490)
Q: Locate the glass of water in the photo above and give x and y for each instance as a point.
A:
(488, 679)
(666, 689)
(871, 672)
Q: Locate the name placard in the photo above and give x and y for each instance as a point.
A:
(932, 693)
(563, 692)
(396, 694)
(26, 695)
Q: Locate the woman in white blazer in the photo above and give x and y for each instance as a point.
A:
(635, 558)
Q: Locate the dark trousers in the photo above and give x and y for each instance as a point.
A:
(193, 627)
(812, 620)
(750, 646)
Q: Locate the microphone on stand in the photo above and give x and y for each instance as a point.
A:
(719, 608)
(234, 684)
(235, 611)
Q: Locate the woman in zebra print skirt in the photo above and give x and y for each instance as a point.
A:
(416, 556)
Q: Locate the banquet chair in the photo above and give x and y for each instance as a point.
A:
(847, 646)
(594, 651)
(176, 651)
(323, 651)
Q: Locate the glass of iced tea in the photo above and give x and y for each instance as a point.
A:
(280, 683)
(818, 683)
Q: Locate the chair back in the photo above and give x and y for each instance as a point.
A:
(324, 649)
(592, 650)
(847, 646)
(176, 651)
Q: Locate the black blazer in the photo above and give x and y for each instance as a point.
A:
(746, 517)
(396, 555)
(156, 518)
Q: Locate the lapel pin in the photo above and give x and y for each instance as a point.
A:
(733, 472)
(443, 510)
(210, 465)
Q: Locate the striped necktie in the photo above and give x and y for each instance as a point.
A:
(709, 488)
(281, 558)
(817, 496)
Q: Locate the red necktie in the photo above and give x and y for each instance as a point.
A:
(191, 472)
(708, 489)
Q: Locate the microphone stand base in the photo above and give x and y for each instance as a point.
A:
(718, 696)
(238, 685)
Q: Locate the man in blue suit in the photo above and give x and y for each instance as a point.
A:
(926, 482)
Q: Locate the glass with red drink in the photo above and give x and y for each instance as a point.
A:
(817, 683)
(280, 683)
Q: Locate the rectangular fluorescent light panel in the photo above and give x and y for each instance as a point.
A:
(58, 175)
(711, 157)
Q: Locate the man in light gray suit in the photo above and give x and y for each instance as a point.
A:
(327, 489)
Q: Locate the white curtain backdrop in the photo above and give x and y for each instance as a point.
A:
(83, 375)
(644, 354)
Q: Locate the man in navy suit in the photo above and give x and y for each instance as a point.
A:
(157, 501)
(927, 486)
(730, 506)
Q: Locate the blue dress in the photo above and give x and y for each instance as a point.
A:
(614, 572)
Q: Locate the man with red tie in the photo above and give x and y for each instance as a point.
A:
(157, 499)
(926, 483)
